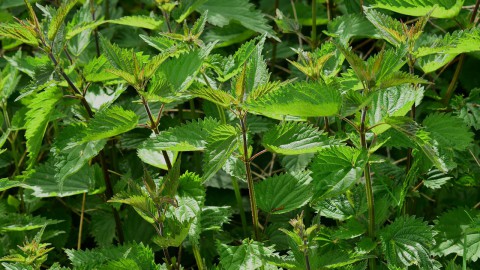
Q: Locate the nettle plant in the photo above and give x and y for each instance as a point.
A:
(205, 138)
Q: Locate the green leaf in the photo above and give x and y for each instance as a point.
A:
(138, 21)
(44, 182)
(394, 101)
(441, 9)
(213, 217)
(110, 122)
(219, 97)
(468, 109)
(155, 157)
(283, 193)
(407, 241)
(336, 169)
(419, 137)
(352, 25)
(13, 222)
(456, 226)
(220, 145)
(436, 51)
(187, 137)
(233, 64)
(221, 13)
(301, 99)
(102, 228)
(18, 32)
(344, 206)
(435, 179)
(390, 29)
(294, 138)
(37, 117)
(448, 130)
(249, 255)
(59, 17)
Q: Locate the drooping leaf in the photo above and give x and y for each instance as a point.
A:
(441, 9)
(188, 137)
(221, 143)
(456, 226)
(298, 99)
(37, 118)
(283, 193)
(110, 122)
(448, 130)
(18, 32)
(336, 169)
(294, 138)
(13, 222)
(221, 13)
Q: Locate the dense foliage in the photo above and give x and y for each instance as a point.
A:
(213, 134)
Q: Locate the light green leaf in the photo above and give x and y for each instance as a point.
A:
(221, 13)
(336, 169)
(294, 138)
(219, 97)
(220, 145)
(407, 241)
(13, 222)
(181, 71)
(138, 21)
(233, 64)
(390, 29)
(37, 117)
(155, 157)
(352, 25)
(302, 99)
(187, 137)
(394, 101)
(110, 122)
(59, 17)
(283, 193)
(213, 217)
(448, 130)
(44, 183)
(6, 184)
(441, 9)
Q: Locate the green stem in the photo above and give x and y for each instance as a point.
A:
(368, 186)
(198, 257)
(314, 24)
(95, 31)
(251, 189)
(239, 200)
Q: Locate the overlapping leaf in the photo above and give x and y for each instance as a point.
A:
(220, 145)
(294, 138)
(110, 122)
(441, 9)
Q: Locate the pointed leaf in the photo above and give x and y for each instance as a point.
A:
(283, 193)
(220, 145)
(110, 122)
(294, 138)
(336, 169)
(448, 130)
(298, 99)
(441, 9)
(59, 17)
(138, 21)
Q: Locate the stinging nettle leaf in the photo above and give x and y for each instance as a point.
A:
(187, 137)
(303, 99)
(221, 143)
(336, 169)
(439, 9)
(59, 17)
(283, 193)
(294, 138)
(407, 241)
(448, 130)
(110, 122)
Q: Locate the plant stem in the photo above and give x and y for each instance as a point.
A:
(95, 31)
(80, 227)
(251, 189)
(198, 257)
(314, 24)
(238, 197)
(368, 186)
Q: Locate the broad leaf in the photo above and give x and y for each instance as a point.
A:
(459, 231)
(249, 255)
(336, 169)
(220, 145)
(448, 130)
(110, 122)
(407, 241)
(188, 137)
(39, 110)
(441, 9)
(221, 13)
(294, 138)
(283, 193)
(298, 99)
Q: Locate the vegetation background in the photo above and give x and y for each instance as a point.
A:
(213, 134)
